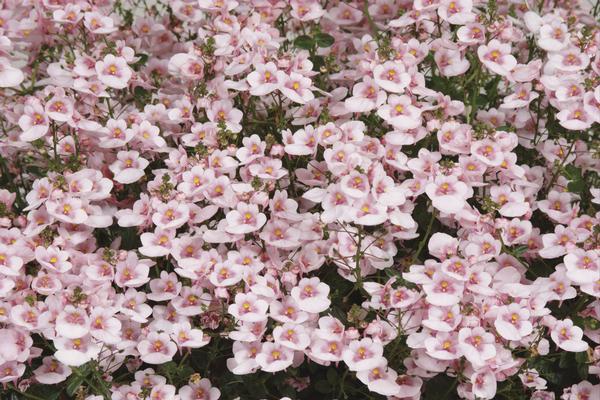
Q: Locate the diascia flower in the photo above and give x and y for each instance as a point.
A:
(496, 57)
(245, 219)
(113, 71)
(391, 76)
(157, 348)
(512, 322)
(448, 194)
(129, 167)
(311, 295)
(567, 336)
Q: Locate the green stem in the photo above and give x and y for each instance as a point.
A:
(425, 237)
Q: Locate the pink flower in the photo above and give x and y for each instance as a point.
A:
(249, 308)
(67, 209)
(400, 113)
(522, 96)
(157, 348)
(274, 357)
(11, 371)
(292, 336)
(366, 96)
(311, 295)
(75, 352)
(582, 266)
(380, 379)
(72, 322)
(184, 335)
(443, 290)
(202, 390)
(9, 76)
(512, 204)
(59, 108)
(363, 355)
(575, 117)
(132, 272)
(129, 167)
(391, 76)
(104, 326)
(553, 36)
(443, 346)
(280, 234)
(171, 215)
(568, 337)
(516, 231)
(53, 259)
(164, 288)
(263, 80)
(34, 121)
(114, 71)
(244, 358)
(512, 322)
(245, 219)
(191, 301)
(157, 243)
(451, 62)
(448, 194)
(51, 371)
(456, 12)
(496, 57)
(295, 87)
(476, 345)
(484, 384)
(584, 390)
(187, 66)
(97, 23)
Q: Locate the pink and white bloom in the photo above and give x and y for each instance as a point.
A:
(113, 71)
(391, 77)
(477, 345)
(200, 390)
(295, 87)
(582, 266)
(311, 295)
(129, 167)
(248, 308)
(363, 355)
(245, 219)
(264, 79)
(274, 357)
(157, 348)
(51, 371)
(512, 322)
(448, 194)
(568, 336)
(496, 57)
(77, 351)
(9, 75)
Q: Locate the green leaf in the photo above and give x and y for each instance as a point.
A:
(323, 387)
(304, 42)
(520, 250)
(73, 383)
(46, 392)
(572, 171)
(324, 40)
(318, 62)
(332, 376)
(141, 62)
(576, 186)
(582, 367)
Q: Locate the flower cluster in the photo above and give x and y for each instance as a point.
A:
(253, 199)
